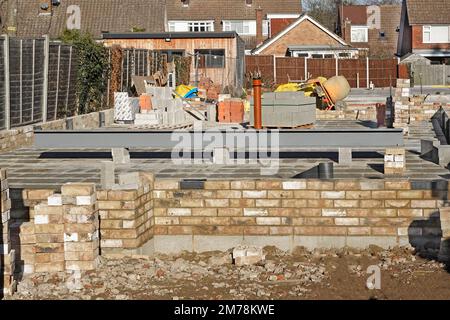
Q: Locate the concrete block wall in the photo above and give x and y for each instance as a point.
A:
(7, 254)
(126, 216)
(310, 213)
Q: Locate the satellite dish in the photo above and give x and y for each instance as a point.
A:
(44, 6)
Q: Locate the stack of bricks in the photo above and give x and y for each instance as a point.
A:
(81, 226)
(348, 212)
(394, 161)
(23, 236)
(351, 111)
(444, 252)
(126, 216)
(7, 255)
(49, 233)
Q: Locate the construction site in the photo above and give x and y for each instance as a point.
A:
(233, 181)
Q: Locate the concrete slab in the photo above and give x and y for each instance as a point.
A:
(282, 242)
(215, 243)
(364, 242)
(172, 244)
(314, 242)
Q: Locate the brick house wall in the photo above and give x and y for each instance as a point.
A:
(306, 33)
(417, 40)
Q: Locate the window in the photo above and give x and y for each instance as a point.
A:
(344, 55)
(359, 34)
(436, 34)
(245, 27)
(211, 58)
(200, 26)
(190, 26)
(171, 53)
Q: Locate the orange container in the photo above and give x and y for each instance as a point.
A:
(223, 111)
(236, 110)
(145, 102)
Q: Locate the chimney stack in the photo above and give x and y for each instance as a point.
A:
(259, 26)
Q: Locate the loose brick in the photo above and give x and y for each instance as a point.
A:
(346, 221)
(322, 203)
(346, 185)
(396, 203)
(256, 230)
(410, 212)
(217, 185)
(167, 220)
(218, 203)
(179, 212)
(307, 194)
(243, 184)
(206, 212)
(230, 212)
(319, 185)
(281, 231)
(383, 213)
(294, 203)
(267, 203)
(78, 189)
(122, 195)
(333, 194)
(294, 185)
(411, 194)
(358, 231)
(346, 203)
(371, 203)
(255, 212)
(40, 194)
(397, 185)
(371, 185)
(255, 194)
(357, 195)
(166, 184)
(279, 194)
(266, 185)
(383, 194)
(229, 194)
(384, 231)
(423, 203)
(191, 203)
(268, 221)
(334, 212)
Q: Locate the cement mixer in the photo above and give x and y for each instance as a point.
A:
(328, 91)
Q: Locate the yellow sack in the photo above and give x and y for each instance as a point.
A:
(288, 87)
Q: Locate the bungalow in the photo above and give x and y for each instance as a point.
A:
(306, 37)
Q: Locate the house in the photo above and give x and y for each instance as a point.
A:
(306, 37)
(220, 54)
(34, 18)
(253, 20)
(372, 27)
(425, 29)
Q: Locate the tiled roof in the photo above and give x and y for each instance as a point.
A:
(356, 14)
(228, 10)
(428, 11)
(96, 16)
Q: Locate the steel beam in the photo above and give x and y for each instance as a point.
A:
(283, 139)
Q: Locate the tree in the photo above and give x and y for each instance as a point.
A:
(93, 69)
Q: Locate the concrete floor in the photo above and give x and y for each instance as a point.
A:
(50, 168)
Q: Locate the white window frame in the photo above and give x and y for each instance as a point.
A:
(186, 25)
(250, 25)
(366, 33)
(428, 29)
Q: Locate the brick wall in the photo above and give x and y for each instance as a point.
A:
(417, 40)
(7, 254)
(350, 212)
(23, 136)
(126, 216)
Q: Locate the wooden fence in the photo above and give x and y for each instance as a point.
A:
(359, 72)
